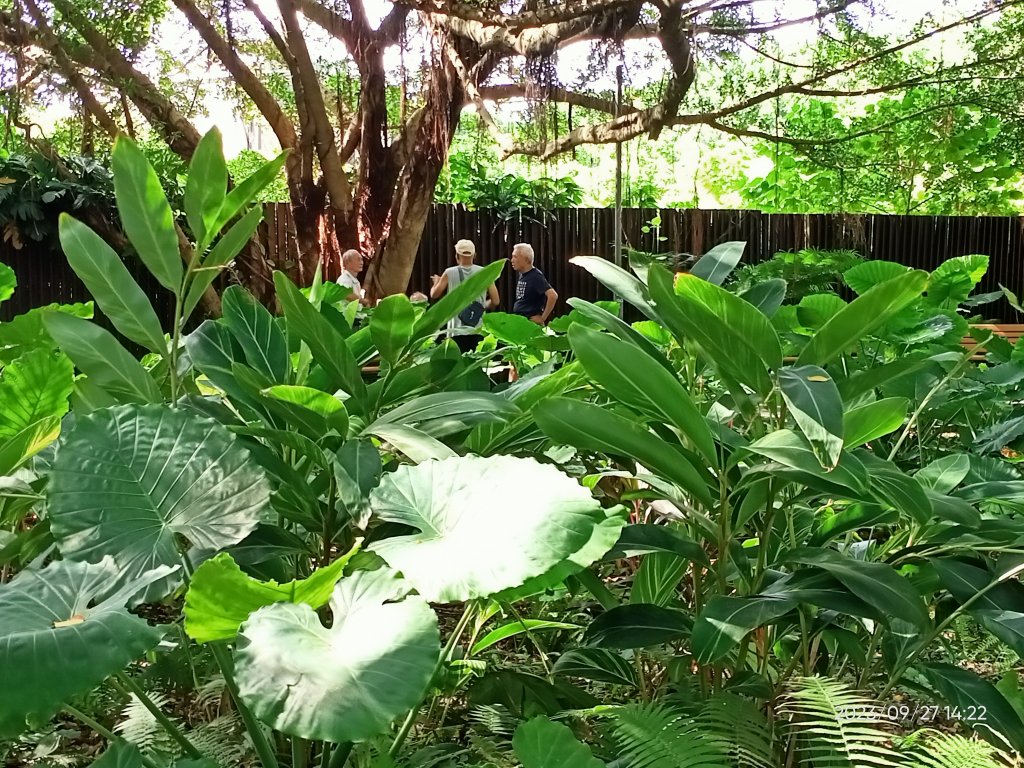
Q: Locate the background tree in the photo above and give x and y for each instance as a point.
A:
(367, 140)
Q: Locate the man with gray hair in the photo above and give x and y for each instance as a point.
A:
(535, 298)
(461, 327)
(351, 266)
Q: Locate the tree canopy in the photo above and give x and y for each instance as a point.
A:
(366, 97)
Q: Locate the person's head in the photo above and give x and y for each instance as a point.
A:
(464, 252)
(522, 257)
(352, 261)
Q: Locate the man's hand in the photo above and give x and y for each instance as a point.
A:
(434, 279)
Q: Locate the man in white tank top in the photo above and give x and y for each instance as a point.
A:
(464, 268)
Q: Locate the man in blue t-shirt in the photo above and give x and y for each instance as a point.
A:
(535, 298)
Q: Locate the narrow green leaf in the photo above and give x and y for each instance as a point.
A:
(99, 355)
(862, 316)
(256, 330)
(242, 195)
(725, 621)
(597, 664)
(638, 626)
(325, 407)
(226, 249)
(145, 213)
(945, 474)
(716, 265)
(108, 280)
(588, 426)
(873, 420)
(514, 628)
(619, 281)
(815, 404)
(644, 538)
(453, 302)
(995, 718)
(206, 185)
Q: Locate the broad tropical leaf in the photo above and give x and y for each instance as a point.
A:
(346, 683)
(726, 620)
(542, 743)
(716, 265)
(485, 524)
(391, 326)
(871, 421)
(619, 281)
(63, 630)
(206, 185)
(127, 481)
(598, 664)
(35, 386)
(257, 332)
(638, 626)
(1000, 723)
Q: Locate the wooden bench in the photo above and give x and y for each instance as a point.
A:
(1011, 332)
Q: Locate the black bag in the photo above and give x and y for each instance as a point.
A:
(472, 314)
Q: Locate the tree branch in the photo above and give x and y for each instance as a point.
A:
(552, 93)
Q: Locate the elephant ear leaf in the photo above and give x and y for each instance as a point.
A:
(129, 480)
(346, 683)
(543, 743)
(65, 629)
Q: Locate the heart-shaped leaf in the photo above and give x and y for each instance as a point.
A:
(127, 481)
(346, 683)
(220, 596)
(543, 743)
(485, 524)
(64, 630)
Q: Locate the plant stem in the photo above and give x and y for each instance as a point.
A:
(931, 393)
(898, 672)
(300, 752)
(104, 732)
(125, 684)
(410, 719)
(252, 726)
(340, 755)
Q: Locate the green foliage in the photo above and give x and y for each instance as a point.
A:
(806, 272)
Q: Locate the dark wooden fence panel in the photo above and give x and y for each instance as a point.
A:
(918, 241)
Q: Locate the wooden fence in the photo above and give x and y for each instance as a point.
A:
(917, 241)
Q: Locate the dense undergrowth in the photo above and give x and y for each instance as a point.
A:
(753, 529)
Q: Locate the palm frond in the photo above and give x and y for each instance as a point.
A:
(835, 726)
(933, 749)
(657, 736)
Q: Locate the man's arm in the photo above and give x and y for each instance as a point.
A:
(439, 287)
(552, 297)
(493, 299)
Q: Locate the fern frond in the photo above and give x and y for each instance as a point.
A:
(656, 736)
(835, 726)
(494, 719)
(496, 752)
(933, 749)
(742, 727)
(221, 740)
(139, 727)
(209, 695)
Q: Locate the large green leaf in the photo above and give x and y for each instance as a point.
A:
(417, 445)
(446, 413)
(638, 626)
(8, 282)
(456, 300)
(325, 342)
(23, 445)
(318, 410)
(145, 213)
(736, 338)
(64, 630)
(994, 718)
(1000, 609)
(226, 249)
(871, 421)
(357, 471)
(99, 355)
(815, 310)
(767, 296)
(513, 629)
(598, 664)
(512, 329)
(866, 275)
(815, 404)
(111, 285)
(220, 596)
(620, 329)
(951, 283)
(128, 481)
(639, 381)
(619, 281)
(245, 192)
(346, 683)
(793, 450)
(726, 620)
(862, 316)
(644, 538)
(656, 581)
(35, 386)
(391, 326)
(206, 185)
(542, 743)
(716, 265)
(877, 584)
(591, 427)
(485, 524)
(259, 335)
